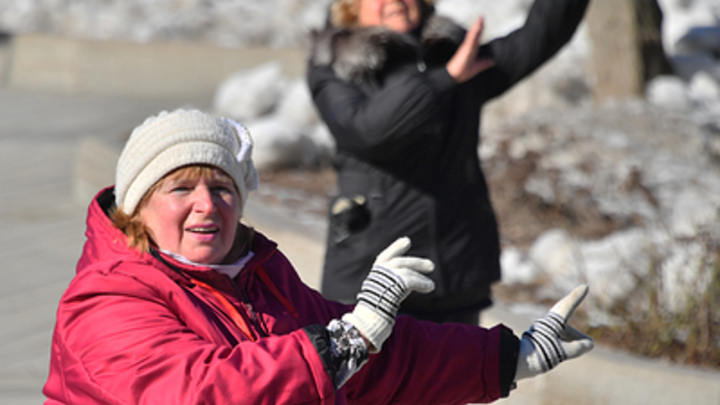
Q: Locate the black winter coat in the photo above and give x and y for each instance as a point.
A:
(407, 140)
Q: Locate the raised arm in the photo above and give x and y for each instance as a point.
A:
(465, 63)
(549, 26)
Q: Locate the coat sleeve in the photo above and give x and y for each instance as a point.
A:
(421, 362)
(438, 364)
(378, 125)
(549, 26)
(117, 342)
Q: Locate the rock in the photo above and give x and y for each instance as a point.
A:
(249, 94)
(516, 268)
(700, 39)
(296, 105)
(685, 276)
(693, 208)
(279, 144)
(705, 88)
(554, 255)
(324, 141)
(698, 50)
(668, 91)
(680, 16)
(613, 265)
(687, 65)
(541, 187)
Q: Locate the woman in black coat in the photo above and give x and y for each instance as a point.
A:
(401, 90)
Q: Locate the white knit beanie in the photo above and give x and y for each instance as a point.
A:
(171, 140)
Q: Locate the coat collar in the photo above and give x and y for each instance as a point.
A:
(356, 53)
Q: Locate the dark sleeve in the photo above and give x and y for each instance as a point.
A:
(378, 125)
(549, 26)
(320, 338)
(509, 349)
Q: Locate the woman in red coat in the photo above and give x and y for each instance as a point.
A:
(175, 301)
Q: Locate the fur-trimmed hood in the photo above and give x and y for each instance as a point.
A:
(355, 54)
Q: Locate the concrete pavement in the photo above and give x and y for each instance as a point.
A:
(41, 223)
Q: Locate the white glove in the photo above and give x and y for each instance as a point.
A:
(392, 278)
(551, 340)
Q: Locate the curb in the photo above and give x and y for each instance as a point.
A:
(155, 69)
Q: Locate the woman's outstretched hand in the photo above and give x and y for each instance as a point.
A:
(392, 278)
(465, 64)
(550, 340)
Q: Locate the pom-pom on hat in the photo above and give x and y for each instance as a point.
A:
(171, 140)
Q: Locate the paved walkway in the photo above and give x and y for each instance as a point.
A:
(41, 224)
(55, 151)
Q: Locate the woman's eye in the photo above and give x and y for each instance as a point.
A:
(180, 189)
(221, 189)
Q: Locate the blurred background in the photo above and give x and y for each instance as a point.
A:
(604, 167)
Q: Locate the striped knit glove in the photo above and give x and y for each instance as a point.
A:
(392, 278)
(551, 340)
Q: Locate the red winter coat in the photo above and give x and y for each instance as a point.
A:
(136, 329)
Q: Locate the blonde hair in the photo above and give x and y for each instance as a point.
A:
(344, 13)
(132, 225)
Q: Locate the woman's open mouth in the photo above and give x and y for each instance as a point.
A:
(203, 230)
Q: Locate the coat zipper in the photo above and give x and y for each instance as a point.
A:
(249, 310)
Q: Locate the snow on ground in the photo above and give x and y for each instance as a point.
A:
(646, 169)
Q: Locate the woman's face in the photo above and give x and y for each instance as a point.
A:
(396, 15)
(195, 218)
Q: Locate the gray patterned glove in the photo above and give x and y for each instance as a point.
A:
(550, 340)
(392, 278)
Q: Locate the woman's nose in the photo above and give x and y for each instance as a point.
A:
(203, 200)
